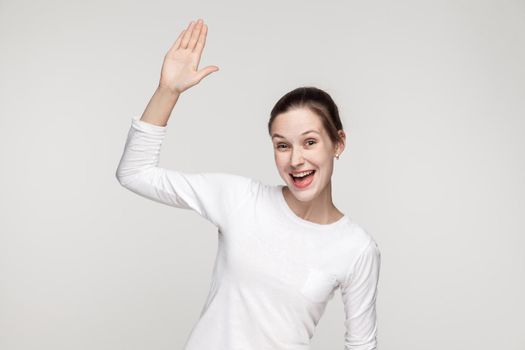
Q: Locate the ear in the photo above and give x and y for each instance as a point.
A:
(339, 148)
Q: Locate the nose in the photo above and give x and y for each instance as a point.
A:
(296, 158)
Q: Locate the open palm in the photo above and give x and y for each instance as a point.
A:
(179, 69)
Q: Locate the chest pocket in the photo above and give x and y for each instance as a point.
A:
(319, 286)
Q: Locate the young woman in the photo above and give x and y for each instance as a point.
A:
(283, 250)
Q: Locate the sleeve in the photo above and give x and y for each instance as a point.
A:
(359, 293)
(213, 195)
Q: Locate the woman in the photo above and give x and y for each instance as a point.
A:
(283, 250)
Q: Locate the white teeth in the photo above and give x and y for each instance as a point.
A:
(303, 174)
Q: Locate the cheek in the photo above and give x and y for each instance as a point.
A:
(280, 161)
(325, 164)
(320, 159)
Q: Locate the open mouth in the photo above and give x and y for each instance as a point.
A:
(304, 179)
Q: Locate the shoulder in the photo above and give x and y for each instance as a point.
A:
(357, 235)
(229, 182)
(357, 242)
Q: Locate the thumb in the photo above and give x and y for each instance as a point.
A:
(206, 71)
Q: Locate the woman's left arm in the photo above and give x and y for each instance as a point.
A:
(359, 293)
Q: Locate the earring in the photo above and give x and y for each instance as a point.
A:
(337, 156)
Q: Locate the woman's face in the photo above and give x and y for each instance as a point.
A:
(301, 143)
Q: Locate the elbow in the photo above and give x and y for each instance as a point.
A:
(127, 176)
(121, 177)
(118, 177)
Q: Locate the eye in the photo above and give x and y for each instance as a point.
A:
(279, 146)
(311, 140)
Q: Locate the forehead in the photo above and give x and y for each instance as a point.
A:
(295, 122)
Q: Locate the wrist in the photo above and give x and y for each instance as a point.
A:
(167, 92)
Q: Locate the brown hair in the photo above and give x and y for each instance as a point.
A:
(316, 100)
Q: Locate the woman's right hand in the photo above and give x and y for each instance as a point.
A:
(179, 69)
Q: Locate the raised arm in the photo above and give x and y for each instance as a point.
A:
(359, 294)
(179, 72)
(215, 196)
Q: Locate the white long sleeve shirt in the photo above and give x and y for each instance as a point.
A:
(274, 272)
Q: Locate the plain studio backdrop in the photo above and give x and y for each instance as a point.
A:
(431, 95)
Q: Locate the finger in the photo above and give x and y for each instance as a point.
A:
(195, 34)
(176, 44)
(187, 35)
(206, 71)
(202, 40)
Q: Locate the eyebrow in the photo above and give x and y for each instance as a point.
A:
(304, 133)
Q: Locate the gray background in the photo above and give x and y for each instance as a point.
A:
(431, 95)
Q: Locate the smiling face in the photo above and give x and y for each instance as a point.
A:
(301, 143)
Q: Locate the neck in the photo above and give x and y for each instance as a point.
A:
(320, 209)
